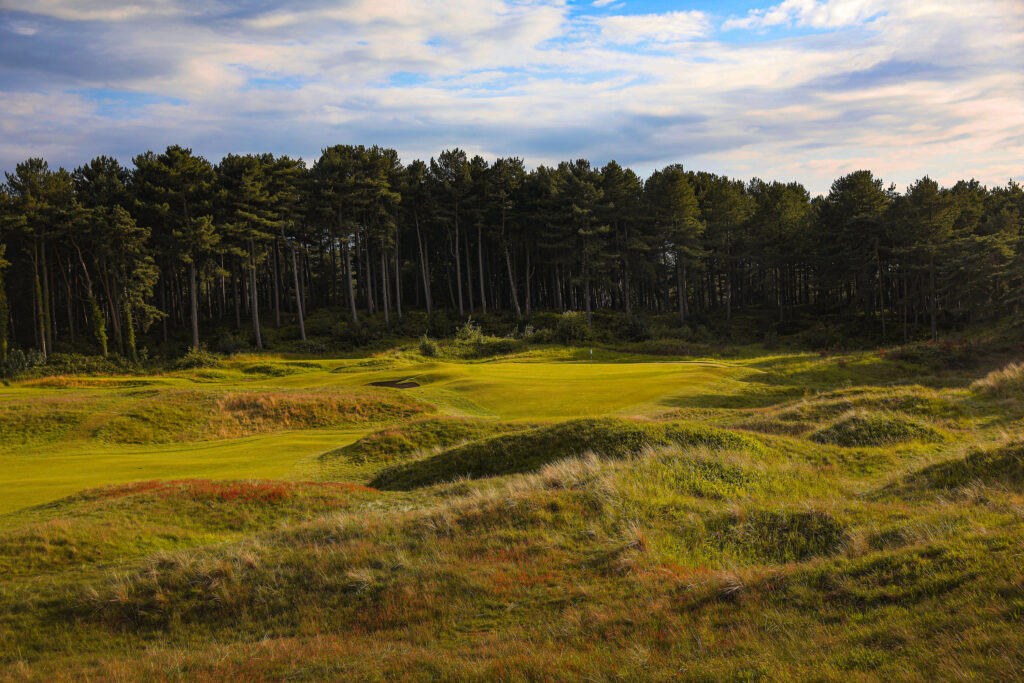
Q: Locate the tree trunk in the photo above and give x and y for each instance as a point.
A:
(384, 288)
(277, 290)
(529, 276)
(480, 267)
(237, 300)
(512, 284)
(398, 281)
(881, 288)
(163, 304)
(586, 284)
(348, 284)
(254, 296)
(40, 315)
(458, 263)
(64, 272)
(298, 293)
(424, 269)
(681, 287)
(469, 271)
(934, 295)
(194, 296)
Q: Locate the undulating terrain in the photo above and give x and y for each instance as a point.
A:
(552, 513)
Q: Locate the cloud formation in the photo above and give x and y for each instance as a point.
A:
(803, 90)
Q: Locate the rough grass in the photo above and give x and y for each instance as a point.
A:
(1007, 382)
(37, 422)
(776, 535)
(195, 415)
(678, 551)
(528, 450)
(872, 429)
(116, 522)
(914, 400)
(400, 442)
(1001, 465)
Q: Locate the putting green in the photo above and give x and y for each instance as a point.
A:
(508, 389)
(515, 390)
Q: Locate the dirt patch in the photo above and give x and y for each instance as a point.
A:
(396, 384)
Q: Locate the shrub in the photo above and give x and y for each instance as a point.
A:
(572, 328)
(19, 361)
(197, 358)
(636, 328)
(942, 356)
(469, 333)
(311, 346)
(428, 347)
(229, 343)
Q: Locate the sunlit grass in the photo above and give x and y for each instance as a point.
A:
(777, 516)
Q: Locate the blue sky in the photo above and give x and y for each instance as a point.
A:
(796, 90)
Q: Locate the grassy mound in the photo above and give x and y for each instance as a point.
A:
(917, 401)
(195, 415)
(1007, 382)
(138, 519)
(775, 536)
(871, 429)
(40, 421)
(529, 450)
(398, 442)
(1003, 465)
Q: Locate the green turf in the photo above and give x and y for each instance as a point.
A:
(535, 517)
(67, 434)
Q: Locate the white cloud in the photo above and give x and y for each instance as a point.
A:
(659, 28)
(914, 87)
(814, 13)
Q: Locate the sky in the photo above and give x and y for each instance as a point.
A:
(803, 90)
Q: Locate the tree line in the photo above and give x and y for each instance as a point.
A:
(100, 254)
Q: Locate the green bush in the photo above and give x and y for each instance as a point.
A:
(636, 329)
(19, 361)
(572, 328)
(469, 333)
(936, 356)
(428, 347)
(197, 358)
(229, 343)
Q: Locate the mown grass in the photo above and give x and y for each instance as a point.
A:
(672, 544)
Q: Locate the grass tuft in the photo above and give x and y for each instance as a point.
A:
(1001, 465)
(1007, 382)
